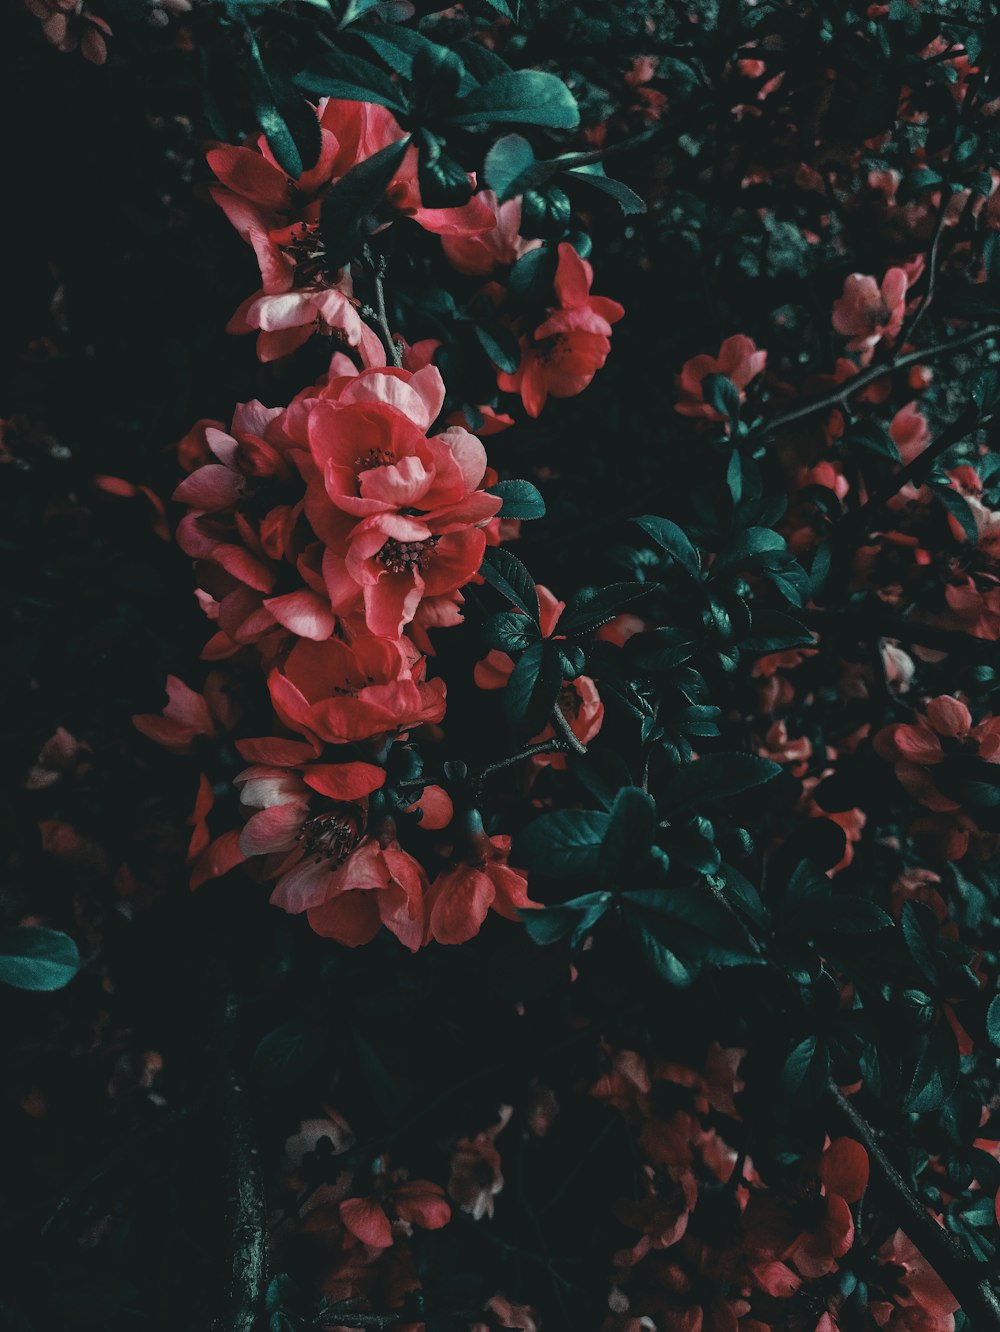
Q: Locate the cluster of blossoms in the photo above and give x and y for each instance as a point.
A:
(331, 536)
(303, 293)
(716, 1245)
(823, 576)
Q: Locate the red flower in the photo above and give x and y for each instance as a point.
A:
(926, 742)
(738, 359)
(568, 348)
(188, 716)
(395, 1209)
(919, 1299)
(277, 215)
(479, 253)
(842, 1172)
(342, 692)
(460, 899)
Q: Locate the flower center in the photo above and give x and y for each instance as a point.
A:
(406, 556)
(553, 349)
(331, 836)
(308, 253)
(375, 458)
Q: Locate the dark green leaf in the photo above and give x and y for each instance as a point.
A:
(520, 688)
(511, 167)
(993, 1020)
(660, 649)
(353, 79)
(523, 97)
(674, 541)
(504, 571)
(630, 833)
(630, 202)
(555, 922)
(716, 777)
(564, 844)
(353, 198)
(593, 607)
(287, 1053)
(510, 631)
(499, 344)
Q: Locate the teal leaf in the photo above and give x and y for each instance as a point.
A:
(523, 97)
(33, 957)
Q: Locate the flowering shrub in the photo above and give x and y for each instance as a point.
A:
(505, 829)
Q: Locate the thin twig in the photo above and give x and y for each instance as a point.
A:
(562, 725)
(876, 372)
(915, 471)
(543, 747)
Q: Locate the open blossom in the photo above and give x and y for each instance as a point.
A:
(738, 360)
(944, 731)
(479, 253)
(461, 898)
(188, 715)
(942, 761)
(919, 1299)
(396, 1206)
(568, 348)
(301, 292)
(400, 512)
(338, 692)
(342, 496)
(868, 311)
(308, 827)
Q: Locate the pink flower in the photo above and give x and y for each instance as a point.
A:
(460, 899)
(569, 347)
(868, 312)
(738, 360)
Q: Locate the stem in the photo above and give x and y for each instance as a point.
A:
(851, 386)
(381, 318)
(916, 470)
(246, 1272)
(562, 725)
(543, 747)
(966, 1278)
